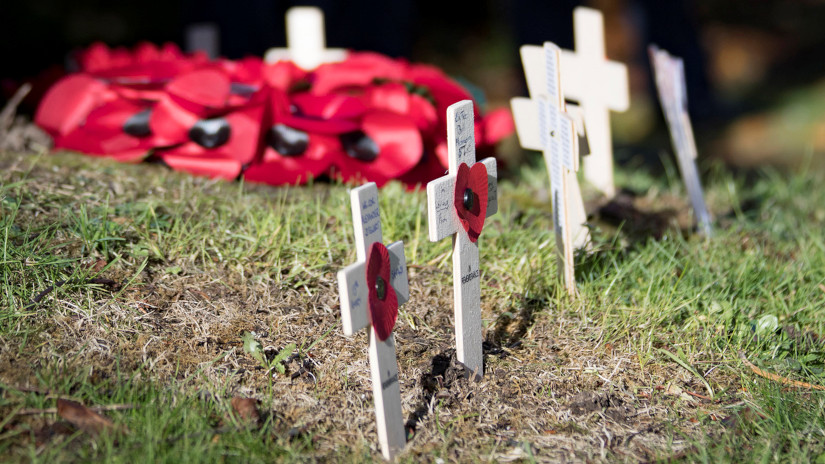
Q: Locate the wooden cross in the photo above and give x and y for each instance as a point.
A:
(444, 220)
(598, 85)
(305, 40)
(355, 314)
(670, 82)
(204, 37)
(542, 124)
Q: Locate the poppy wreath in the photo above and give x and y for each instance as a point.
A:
(367, 118)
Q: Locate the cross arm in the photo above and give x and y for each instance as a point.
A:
(352, 289)
(443, 220)
(585, 79)
(398, 272)
(527, 115)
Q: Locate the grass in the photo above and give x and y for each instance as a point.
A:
(134, 285)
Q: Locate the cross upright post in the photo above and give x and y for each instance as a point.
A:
(599, 86)
(371, 290)
(305, 40)
(542, 124)
(457, 205)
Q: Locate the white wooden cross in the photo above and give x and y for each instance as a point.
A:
(355, 314)
(543, 124)
(444, 221)
(305, 40)
(670, 82)
(598, 85)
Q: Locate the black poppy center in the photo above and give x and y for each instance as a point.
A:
(360, 146)
(210, 133)
(138, 124)
(468, 199)
(380, 288)
(287, 141)
(244, 90)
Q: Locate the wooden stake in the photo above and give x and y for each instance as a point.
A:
(670, 83)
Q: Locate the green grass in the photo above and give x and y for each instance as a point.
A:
(680, 306)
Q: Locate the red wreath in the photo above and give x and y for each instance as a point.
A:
(367, 118)
(471, 198)
(383, 301)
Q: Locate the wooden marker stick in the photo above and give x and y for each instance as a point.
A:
(670, 83)
(599, 86)
(355, 314)
(444, 221)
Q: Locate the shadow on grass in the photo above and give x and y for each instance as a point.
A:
(512, 326)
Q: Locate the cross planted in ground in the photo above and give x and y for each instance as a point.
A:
(305, 40)
(542, 124)
(355, 314)
(443, 203)
(599, 86)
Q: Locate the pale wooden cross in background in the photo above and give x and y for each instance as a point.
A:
(353, 291)
(203, 37)
(444, 221)
(542, 124)
(305, 40)
(599, 86)
(670, 82)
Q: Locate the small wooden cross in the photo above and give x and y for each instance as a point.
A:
(543, 124)
(670, 82)
(357, 313)
(455, 208)
(203, 37)
(598, 85)
(305, 40)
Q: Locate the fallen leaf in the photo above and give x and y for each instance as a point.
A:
(246, 409)
(82, 417)
(675, 390)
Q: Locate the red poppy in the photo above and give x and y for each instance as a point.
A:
(427, 169)
(291, 153)
(497, 124)
(383, 301)
(118, 129)
(139, 74)
(219, 146)
(359, 70)
(283, 75)
(402, 99)
(203, 118)
(385, 146)
(68, 102)
(471, 198)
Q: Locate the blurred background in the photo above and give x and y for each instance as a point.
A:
(756, 70)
